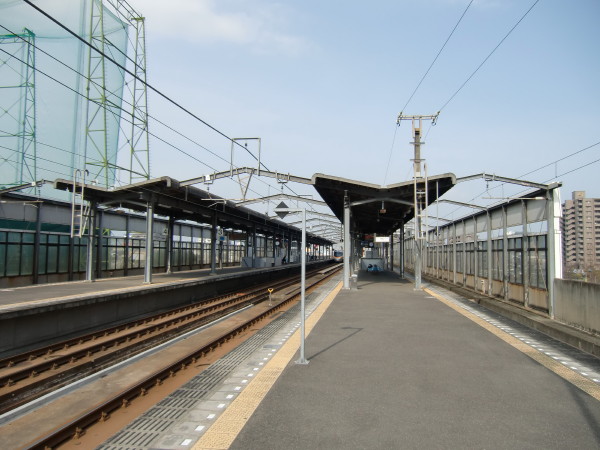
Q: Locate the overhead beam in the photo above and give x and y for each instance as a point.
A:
(381, 199)
(23, 186)
(488, 177)
(280, 177)
(468, 205)
(281, 197)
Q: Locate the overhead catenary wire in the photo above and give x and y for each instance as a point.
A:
(149, 86)
(437, 56)
(488, 56)
(419, 85)
(583, 166)
(130, 122)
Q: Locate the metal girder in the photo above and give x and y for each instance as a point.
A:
(312, 219)
(281, 197)
(468, 205)
(23, 186)
(488, 177)
(380, 199)
(280, 177)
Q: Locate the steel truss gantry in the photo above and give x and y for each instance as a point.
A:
(102, 103)
(23, 162)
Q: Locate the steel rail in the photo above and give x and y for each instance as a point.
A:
(77, 427)
(42, 370)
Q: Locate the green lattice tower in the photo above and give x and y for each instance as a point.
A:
(103, 104)
(18, 155)
(96, 141)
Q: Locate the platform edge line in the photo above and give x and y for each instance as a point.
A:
(588, 386)
(226, 428)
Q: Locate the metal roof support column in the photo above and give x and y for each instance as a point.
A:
(126, 255)
(525, 254)
(70, 259)
(149, 241)
(463, 239)
(201, 246)
(254, 243)
(36, 244)
(213, 245)
(89, 263)
(504, 254)
(475, 254)
(417, 233)
(489, 252)
(170, 229)
(392, 251)
(437, 251)
(554, 259)
(454, 253)
(402, 251)
(347, 248)
(266, 246)
(99, 226)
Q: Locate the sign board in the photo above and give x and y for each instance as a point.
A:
(282, 206)
(385, 239)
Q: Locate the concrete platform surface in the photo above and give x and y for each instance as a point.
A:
(391, 367)
(11, 296)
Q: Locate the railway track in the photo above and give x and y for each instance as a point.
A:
(30, 375)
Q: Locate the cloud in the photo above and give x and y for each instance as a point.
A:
(257, 25)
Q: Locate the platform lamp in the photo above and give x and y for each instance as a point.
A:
(283, 210)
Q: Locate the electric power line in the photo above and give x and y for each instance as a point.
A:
(124, 101)
(419, 85)
(438, 55)
(149, 86)
(488, 56)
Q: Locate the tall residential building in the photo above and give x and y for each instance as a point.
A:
(581, 232)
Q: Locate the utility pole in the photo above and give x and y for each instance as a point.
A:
(420, 195)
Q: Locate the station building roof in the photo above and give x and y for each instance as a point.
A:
(171, 199)
(377, 209)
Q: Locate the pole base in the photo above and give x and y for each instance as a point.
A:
(301, 361)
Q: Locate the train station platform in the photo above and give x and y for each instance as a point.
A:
(392, 367)
(50, 312)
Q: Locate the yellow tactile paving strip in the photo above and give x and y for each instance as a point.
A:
(571, 376)
(226, 428)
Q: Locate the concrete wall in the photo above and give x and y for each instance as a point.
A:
(577, 303)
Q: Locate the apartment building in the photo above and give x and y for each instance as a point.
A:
(581, 232)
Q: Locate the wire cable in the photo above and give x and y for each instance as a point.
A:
(149, 86)
(419, 85)
(488, 56)
(124, 101)
(437, 56)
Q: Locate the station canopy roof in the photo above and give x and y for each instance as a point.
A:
(171, 199)
(378, 209)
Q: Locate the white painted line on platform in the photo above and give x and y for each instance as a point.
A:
(186, 442)
(199, 428)
(211, 416)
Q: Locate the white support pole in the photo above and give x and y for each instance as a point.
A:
(554, 245)
(347, 247)
(302, 359)
(91, 244)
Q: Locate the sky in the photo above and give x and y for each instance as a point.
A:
(322, 84)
